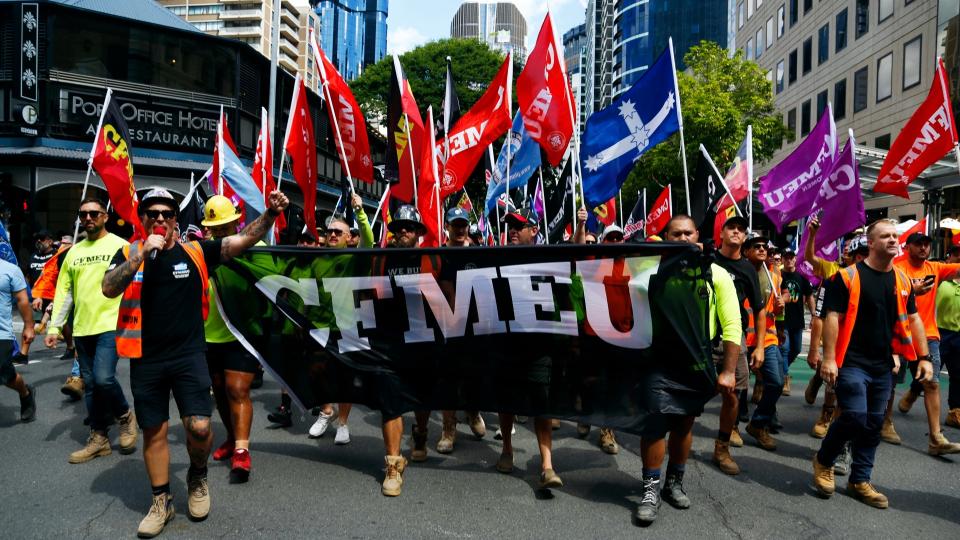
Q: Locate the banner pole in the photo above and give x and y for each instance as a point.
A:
(644, 213)
(723, 183)
(750, 176)
(413, 170)
(220, 153)
(93, 149)
(620, 210)
(322, 70)
(543, 193)
(683, 145)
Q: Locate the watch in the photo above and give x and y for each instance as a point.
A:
(924, 357)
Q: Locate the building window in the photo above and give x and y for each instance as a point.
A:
(780, 76)
(841, 30)
(750, 49)
(780, 22)
(882, 142)
(821, 103)
(794, 12)
(840, 99)
(749, 8)
(792, 121)
(884, 77)
(885, 10)
(770, 32)
(759, 3)
(807, 55)
(860, 80)
(807, 6)
(759, 42)
(792, 67)
(740, 17)
(863, 17)
(911, 62)
(805, 118)
(823, 44)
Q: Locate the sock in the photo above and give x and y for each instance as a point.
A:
(197, 471)
(158, 490)
(242, 445)
(286, 401)
(676, 469)
(723, 436)
(651, 474)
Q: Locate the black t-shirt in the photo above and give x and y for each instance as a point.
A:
(799, 289)
(36, 265)
(747, 283)
(869, 347)
(170, 301)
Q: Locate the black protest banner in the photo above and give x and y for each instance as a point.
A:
(603, 335)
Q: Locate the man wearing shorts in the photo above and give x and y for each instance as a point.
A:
(13, 288)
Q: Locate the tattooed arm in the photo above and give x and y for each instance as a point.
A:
(116, 281)
(236, 244)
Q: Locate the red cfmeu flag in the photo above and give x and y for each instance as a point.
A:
(544, 95)
(405, 135)
(484, 123)
(263, 167)
(114, 164)
(928, 136)
(660, 213)
(299, 145)
(428, 200)
(919, 227)
(346, 115)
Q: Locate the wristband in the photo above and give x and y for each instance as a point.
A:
(273, 213)
(924, 357)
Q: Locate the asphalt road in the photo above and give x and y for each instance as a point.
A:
(308, 488)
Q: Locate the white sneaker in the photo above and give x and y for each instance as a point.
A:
(499, 435)
(320, 426)
(343, 435)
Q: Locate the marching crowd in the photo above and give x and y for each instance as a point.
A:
(152, 302)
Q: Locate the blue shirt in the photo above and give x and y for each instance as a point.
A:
(11, 282)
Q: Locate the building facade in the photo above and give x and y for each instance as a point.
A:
(353, 33)
(575, 60)
(500, 25)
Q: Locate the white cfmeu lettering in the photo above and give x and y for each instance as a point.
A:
(937, 125)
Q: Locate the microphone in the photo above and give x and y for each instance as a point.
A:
(157, 229)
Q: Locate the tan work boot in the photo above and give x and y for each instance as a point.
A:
(907, 401)
(161, 512)
(419, 451)
(823, 478)
(128, 432)
(888, 434)
(866, 493)
(762, 435)
(608, 443)
(97, 445)
(477, 426)
(813, 388)
(939, 446)
(757, 392)
(736, 440)
(953, 418)
(393, 479)
(447, 436)
(822, 424)
(198, 497)
(723, 459)
(73, 388)
(786, 386)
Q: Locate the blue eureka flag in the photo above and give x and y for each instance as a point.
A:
(524, 160)
(236, 176)
(616, 137)
(6, 250)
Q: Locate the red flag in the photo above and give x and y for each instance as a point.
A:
(346, 115)
(216, 183)
(405, 134)
(385, 234)
(740, 175)
(263, 167)
(544, 95)
(428, 200)
(112, 161)
(920, 227)
(928, 136)
(607, 212)
(660, 212)
(484, 123)
(300, 146)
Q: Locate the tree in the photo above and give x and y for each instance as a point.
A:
(720, 95)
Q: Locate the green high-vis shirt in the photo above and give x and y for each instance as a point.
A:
(79, 288)
(948, 306)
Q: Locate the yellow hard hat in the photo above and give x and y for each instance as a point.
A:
(219, 210)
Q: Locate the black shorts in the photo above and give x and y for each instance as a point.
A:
(658, 425)
(152, 381)
(7, 372)
(231, 356)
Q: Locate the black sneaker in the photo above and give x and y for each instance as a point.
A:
(283, 417)
(21, 359)
(841, 467)
(673, 492)
(69, 354)
(28, 405)
(650, 504)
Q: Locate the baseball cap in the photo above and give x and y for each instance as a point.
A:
(159, 195)
(919, 237)
(456, 213)
(753, 238)
(737, 220)
(524, 216)
(859, 245)
(789, 252)
(610, 229)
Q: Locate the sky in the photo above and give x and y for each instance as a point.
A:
(411, 23)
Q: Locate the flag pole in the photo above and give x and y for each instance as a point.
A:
(644, 213)
(413, 170)
(264, 141)
(220, 153)
(383, 199)
(446, 118)
(546, 225)
(620, 204)
(948, 108)
(436, 179)
(750, 176)
(720, 178)
(286, 135)
(683, 145)
(322, 70)
(93, 149)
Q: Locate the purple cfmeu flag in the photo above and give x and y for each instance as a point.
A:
(841, 203)
(789, 190)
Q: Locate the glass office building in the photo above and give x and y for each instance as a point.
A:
(353, 33)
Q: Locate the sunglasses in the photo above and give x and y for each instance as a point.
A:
(758, 247)
(335, 232)
(154, 214)
(92, 214)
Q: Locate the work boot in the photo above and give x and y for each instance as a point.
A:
(786, 386)
(650, 504)
(161, 512)
(823, 479)
(939, 446)
(393, 478)
(28, 405)
(813, 388)
(842, 466)
(554, 424)
(97, 445)
(757, 392)
(953, 418)
(762, 435)
(550, 479)
(723, 459)
(477, 426)
(128, 432)
(198, 496)
(867, 494)
(608, 443)
(907, 401)
(447, 436)
(736, 440)
(73, 388)
(419, 451)
(822, 424)
(888, 434)
(673, 492)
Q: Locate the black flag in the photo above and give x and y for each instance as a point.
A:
(561, 205)
(191, 214)
(637, 220)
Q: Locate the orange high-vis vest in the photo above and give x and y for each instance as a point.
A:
(130, 320)
(750, 332)
(902, 343)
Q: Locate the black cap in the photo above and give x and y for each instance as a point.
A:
(524, 216)
(789, 252)
(919, 237)
(737, 220)
(41, 234)
(753, 238)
